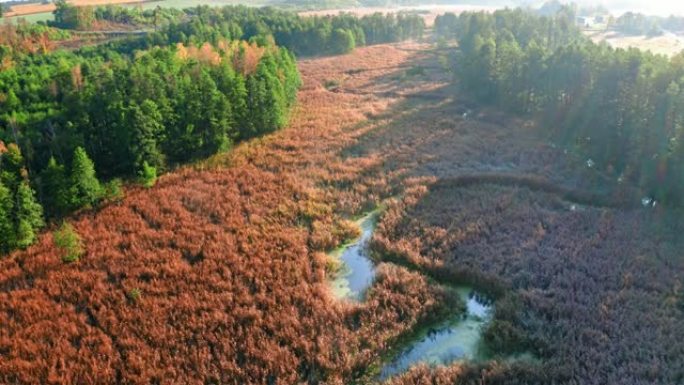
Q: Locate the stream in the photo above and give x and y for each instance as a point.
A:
(455, 339)
(357, 270)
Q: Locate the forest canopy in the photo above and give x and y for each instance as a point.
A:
(202, 80)
(621, 109)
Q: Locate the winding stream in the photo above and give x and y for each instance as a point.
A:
(357, 271)
(455, 339)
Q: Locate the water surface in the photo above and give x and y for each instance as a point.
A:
(459, 338)
(456, 339)
(357, 270)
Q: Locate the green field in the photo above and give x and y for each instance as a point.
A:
(45, 16)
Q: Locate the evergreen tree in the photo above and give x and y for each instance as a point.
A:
(85, 189)
(7, 233)
(266, 98)
(146, 122)
(29, 216)
(292, 80)
(342, 41)
(11, 167)
(54, 189)
(232, 84)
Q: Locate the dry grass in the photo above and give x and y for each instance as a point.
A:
(228, 255)
(429, 12)
(225, 260)
(668, 44)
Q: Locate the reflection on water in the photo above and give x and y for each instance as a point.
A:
(458, 339)
(357, 271)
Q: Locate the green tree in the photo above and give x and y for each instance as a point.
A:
(266, 98)
(113, 190)
(55, 189)
(148, 175)
(342, 41)
(146, 122)
(67, 239)
(71, 17)
(85, 189)
(11, 167)
(7, 233)
(29, 216)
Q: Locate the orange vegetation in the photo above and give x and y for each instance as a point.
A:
(24, 42)
(243, 56)
(216, 274)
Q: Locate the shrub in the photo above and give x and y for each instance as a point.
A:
(68, 240)
(134, 294)
(148, 175)
(113, 190)
(331, 84)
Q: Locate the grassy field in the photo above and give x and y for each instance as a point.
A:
(668, 44)
(430, 12)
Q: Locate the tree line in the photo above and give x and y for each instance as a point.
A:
(631, 23)
(302, 35)
(622, 109)
(68, 16)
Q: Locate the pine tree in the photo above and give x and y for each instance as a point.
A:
(146, 123)
(266, 98)
(85, 189)
(55, 189)
(11, 167)
(29, 216)
(293, 80)
(232, 84)
(7, 233)
(343, 41)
